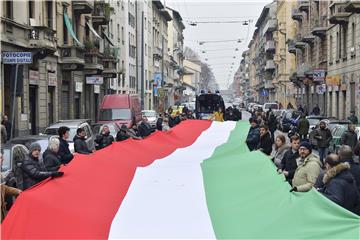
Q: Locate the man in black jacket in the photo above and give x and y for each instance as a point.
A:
(144, 128)
(346, 155)
(64, 151)
(253, 137)
(80, 145)
(323, 137)
(51, 159)
(288, 163)
(265, 144)
(33, 171)
(340, 186)
(104, 139)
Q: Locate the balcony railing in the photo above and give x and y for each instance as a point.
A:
(319, 27)
(304, 5)
(82, 6)
(101, 14)
(338, 15)
(296, 15)
(72, 57)
(270, 26)
(352, 6)
(270, 46)
(42, 37)
(270, 65)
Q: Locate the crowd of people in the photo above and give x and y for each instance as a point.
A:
(336, 176)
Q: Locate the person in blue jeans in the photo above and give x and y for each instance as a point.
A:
(323, 137)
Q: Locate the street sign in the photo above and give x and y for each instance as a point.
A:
(321, 89)
(17, 57)
(319, 75)
(96, 80)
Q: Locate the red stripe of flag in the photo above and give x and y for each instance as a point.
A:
(83, 203)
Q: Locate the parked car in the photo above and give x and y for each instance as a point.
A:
(74, 124)
(273, 106)
(151, 116)
(120, 109)
(315, 120)
(333, 123)
(43, 140)
(12, 154)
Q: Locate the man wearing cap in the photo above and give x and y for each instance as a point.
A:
(253, 137)
(308, 169)
(323, 137)
(353, 119)
(33, 171)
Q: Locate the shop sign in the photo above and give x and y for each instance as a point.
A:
(333, 80)
(17, 57)
(97, 89)
(78, 86)
(95, 80)
(319, 75)
(52, 79)
(358, 90)
(34, 77)
(321, 89)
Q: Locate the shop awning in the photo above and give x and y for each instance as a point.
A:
(93, 30)
(108, 39)
(70, 29)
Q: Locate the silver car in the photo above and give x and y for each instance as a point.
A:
(151, 116)
(74, 124)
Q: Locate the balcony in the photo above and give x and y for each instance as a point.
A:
(157, 53)
(93, 62)
(296, 15)
(270, 65)
(338, 15)
(319, 28)
(299, 43)
(101, 14)
(291, 47)
(304, 6)
(270, 46)
(43, 38)
(270, 26)
(309, 39)
(72, 57)
(352, 6)
(109, 61)
(82, 7)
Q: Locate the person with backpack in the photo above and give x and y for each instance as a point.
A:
(33, 169)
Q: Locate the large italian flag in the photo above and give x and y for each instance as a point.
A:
(198, 180)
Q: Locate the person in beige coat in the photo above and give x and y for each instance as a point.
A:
(308, 170)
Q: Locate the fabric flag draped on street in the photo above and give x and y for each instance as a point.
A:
(198, 180)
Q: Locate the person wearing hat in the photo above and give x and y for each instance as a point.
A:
(323, 136)
(33, 171)
(308, 170)
(353, 119)
(340, 185)
(253, 137)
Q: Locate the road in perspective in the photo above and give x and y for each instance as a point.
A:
(180, 119)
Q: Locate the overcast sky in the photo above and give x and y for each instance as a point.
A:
(212, 10)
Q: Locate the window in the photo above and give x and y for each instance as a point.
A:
(122, 35)
(145, 23)
(353, 35)
(111, 29)
(331, 49)
(338, 46)
(345, 41)
(9, 9)
(118, 32)
(65, 32)
(31, 9)
(49, 13)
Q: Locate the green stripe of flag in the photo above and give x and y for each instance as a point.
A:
(247, 199)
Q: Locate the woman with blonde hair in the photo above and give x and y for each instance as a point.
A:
(280, 149)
